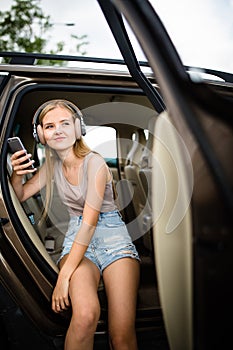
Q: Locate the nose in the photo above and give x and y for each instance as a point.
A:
(58, 129)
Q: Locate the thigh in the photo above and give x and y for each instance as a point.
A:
(84, 285)
(121, 280)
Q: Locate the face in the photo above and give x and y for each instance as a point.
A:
(58, 128)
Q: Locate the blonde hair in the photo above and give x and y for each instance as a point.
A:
(80, 149)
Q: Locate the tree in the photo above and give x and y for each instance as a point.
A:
(24, 28)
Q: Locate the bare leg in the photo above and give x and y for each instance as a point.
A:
(121, 280)
(85, 307)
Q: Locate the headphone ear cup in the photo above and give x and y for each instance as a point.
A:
(40, 134)
(83, 127)
(77, 126)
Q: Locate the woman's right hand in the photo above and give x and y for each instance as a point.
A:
(21, 163)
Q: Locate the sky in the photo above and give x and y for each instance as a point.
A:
(202, 30)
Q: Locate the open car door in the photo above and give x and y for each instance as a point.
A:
(191, 191)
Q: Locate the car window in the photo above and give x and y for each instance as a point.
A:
(102, 139)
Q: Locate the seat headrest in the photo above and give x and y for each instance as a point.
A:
(135, 152)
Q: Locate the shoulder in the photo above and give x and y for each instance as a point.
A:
(95, 158)
(96, 163)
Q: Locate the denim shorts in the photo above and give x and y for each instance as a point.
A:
(110, 242)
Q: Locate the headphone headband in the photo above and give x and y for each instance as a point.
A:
(80, 126)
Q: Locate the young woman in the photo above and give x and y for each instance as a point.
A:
(97, 242)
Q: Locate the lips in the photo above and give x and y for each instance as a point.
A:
(59, 138)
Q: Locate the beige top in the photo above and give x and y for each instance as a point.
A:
(75, 197)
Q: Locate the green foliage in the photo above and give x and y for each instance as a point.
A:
(24, 28)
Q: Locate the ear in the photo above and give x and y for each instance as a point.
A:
(40, 134)
(77, 127)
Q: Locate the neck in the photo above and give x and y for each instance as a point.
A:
(67, 157)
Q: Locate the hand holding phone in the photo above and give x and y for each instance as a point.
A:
(15, 145)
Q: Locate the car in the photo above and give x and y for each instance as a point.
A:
(166, 135)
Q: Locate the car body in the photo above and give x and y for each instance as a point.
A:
(170, 152)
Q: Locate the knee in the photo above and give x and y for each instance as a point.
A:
(89, 317)
(119, 340)
(85, 319)
(123, 337)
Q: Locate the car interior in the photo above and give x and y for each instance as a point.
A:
(133, 118)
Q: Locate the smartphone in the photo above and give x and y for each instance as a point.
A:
(15, 144)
